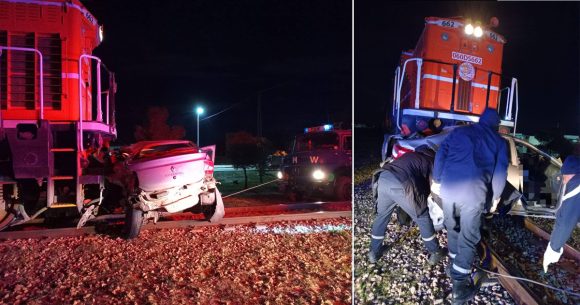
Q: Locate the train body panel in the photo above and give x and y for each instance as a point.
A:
(61, 31)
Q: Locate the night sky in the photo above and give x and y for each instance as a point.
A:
(222, 54)
(542, 52)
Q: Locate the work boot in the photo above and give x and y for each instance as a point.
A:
(448, 268)
(437, 256)
(375, 256)
(463, 291)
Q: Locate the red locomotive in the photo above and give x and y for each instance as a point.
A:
(57, 109)
(451, 76)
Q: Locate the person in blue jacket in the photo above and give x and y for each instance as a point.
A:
(568, 214)
(469, 174)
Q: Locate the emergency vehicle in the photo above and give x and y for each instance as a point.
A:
(320, 162)
(57, 109)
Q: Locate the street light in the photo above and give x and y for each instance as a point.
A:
(199, 111)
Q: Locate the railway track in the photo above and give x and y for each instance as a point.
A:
(230, 211)
(273, 213)
(519, 290)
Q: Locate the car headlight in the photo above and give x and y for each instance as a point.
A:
(279, 175)
(318, 174)
(478, 32)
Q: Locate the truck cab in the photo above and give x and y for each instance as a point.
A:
(319, 162)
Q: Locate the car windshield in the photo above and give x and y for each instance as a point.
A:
(319, 140)
(541, 176)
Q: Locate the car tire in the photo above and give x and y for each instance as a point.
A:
(343, 189)
(133, 222)
(295, 196)
(208, 210)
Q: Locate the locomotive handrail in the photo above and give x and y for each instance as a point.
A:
(499, 99)
(451, 64)
(400, 76)
(99, 96)
(509, 101)
(514, 88)
(400, 84)
(41, 77)
(397, 72)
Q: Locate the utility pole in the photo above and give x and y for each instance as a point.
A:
(259, 116)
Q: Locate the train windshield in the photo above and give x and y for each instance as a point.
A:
(315, 141)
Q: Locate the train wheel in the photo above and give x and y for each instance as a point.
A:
(133, 222)
(343, 189)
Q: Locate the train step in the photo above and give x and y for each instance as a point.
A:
(58, 205)
(62, 149)
(62, 177)
(61, 122)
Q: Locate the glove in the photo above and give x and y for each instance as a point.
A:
(494, 205)
(551, 256)
(436, 188)
(436, 213)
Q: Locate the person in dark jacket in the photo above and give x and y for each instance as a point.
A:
(469, 173)
(568, 214)
(405, 182)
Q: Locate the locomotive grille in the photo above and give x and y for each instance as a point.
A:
(50, 46)
(19, 71)
(463, 95)
(3, 66)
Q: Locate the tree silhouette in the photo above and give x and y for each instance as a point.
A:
(156, 127)
(243, 151)
(264, 149)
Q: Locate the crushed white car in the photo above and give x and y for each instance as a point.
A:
(169, 177)
(534, 185)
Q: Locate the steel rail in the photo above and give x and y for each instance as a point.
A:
(520, 292)
(516, 289)
(91, 230)
(271, 208)
(568, 250)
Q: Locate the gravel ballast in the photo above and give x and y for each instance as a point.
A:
(402, 275)
(307, 262)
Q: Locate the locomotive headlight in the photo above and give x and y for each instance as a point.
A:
(101, 34)
(469, 29)
(478, 32)
(318, 174)
(279, 175)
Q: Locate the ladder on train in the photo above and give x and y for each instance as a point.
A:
(66, 181)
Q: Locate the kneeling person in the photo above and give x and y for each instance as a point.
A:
(405, 183)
